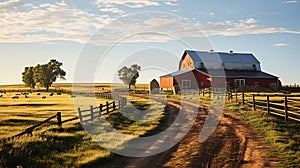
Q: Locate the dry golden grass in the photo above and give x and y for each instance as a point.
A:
(70, 146)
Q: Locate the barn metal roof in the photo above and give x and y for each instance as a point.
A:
(203, 56)
(176, 73)
(237, 74)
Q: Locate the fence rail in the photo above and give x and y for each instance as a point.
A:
(283, 105)
(102, 109)
(84, 115)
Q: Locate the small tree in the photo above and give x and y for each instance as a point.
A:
(129, 75)
(47, 74)
(28, 77)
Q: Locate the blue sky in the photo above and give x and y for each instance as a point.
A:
(94, 38)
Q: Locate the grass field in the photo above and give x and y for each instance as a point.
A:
(70, 146)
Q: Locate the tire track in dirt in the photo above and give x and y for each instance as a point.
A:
(233, 144)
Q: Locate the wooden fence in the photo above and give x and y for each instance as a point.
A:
(28, 131)
(84, 115)
(102, 109)
(283, 105)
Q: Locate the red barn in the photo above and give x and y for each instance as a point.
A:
(199, 69)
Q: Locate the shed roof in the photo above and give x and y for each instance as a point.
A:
(203, 56)
(237, 74)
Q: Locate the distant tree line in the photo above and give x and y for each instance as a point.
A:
(44, 75)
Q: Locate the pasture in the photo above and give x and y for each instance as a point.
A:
(69, 146)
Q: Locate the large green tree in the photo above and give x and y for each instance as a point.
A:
(129, 74)
(47, 74)
(28, 77)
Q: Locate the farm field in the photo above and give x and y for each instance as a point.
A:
(71, 146)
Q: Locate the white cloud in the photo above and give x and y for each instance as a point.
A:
(112, 10)
(280, 45)
(127, 3)
(60, 21)
(7, 5)
(291, 2)
(171, 3)
(211, 14)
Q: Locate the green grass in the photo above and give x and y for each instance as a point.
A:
(70, 146)
(282, 137)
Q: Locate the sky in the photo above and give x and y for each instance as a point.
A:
(95, 38)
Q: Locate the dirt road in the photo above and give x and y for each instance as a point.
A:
(233, 144)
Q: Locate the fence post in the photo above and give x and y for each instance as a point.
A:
(119, 104)
(236, 97)
(253, 96)
(243, 97)
(79, 114)
(286, 108)
(268, 104)
(107, 107)
(92, 113)
(114, 105)
(100, 109)
(59, 123)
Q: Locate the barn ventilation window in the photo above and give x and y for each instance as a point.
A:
(186, 83)
(201, 65)
(256, 83)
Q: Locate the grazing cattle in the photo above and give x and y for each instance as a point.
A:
(15, 97)
(51, 94)
(26, 96)
(73, 96)
(44, 97)
(18, 94)
(38, 93)
(1, 95)
(58, 93)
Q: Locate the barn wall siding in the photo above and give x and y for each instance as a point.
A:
(250, 81)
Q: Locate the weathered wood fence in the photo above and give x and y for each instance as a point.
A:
(84, 115)
(93, 112)
(28, 131)
(283, 105)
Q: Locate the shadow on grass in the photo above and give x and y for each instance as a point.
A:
(18, 122)
(54, 148)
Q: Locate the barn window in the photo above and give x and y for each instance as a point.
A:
(201, 83)
(256, 83)
(254, 66)
(240, 82)
(190, 64)
(183, 65)
(186, 83)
